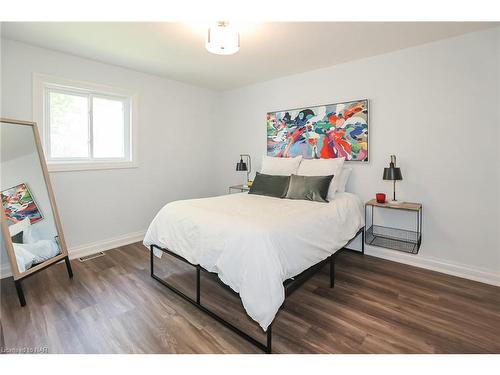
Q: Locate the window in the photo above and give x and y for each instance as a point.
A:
(84, 126)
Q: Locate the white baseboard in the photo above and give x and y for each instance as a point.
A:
(94, 247)
(434, 264)
(91, 248)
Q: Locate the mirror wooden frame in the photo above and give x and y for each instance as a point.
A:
(18, 276)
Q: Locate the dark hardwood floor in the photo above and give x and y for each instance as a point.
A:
(113, 306)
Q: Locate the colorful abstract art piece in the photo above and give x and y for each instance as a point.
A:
(18, 204)
(327, 131)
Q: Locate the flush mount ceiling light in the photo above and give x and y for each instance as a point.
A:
(222, 39)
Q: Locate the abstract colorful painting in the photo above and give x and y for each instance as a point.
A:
(18, 204)
(327, 131)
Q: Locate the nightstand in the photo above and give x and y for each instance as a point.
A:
(394, 238)
(239, 188)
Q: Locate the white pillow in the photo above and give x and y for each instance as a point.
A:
(323, 167)
(29, 236)
(20, 226)
(38, 252)
(343, 178)
(24, 258)
(280, 166)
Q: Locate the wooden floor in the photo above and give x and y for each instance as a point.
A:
(113, 306)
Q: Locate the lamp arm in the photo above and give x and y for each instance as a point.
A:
(249, 164)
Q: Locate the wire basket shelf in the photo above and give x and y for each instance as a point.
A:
(393, 238)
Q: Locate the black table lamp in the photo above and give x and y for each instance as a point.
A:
(242, 166)
(393, 174)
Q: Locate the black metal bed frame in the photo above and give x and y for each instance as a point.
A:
(290, 286)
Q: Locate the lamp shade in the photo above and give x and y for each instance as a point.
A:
(241, 166)
(392, 173)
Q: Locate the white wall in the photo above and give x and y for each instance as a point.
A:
(436, 107)
(175, 145)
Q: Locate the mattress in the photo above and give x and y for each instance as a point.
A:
(254, 243)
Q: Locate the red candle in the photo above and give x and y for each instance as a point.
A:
(380, 197)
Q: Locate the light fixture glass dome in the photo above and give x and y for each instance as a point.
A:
(222, 39)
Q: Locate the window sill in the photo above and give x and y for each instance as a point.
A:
(69, 167)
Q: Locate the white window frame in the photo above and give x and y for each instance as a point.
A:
(44, 84)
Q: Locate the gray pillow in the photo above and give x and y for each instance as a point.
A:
(311, 188)
(269, 185)
(17, 238)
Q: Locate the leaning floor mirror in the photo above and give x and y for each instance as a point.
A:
(31, 229)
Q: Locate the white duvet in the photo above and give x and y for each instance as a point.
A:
(254, 243)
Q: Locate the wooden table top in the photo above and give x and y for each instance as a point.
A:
(401, 206)
(241, 186)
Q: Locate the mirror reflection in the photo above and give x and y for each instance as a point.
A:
(25, 198)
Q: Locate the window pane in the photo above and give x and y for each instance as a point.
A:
(108, 128)
(69, 121)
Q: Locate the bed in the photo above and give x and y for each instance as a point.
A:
(261, 247)
(32, 245)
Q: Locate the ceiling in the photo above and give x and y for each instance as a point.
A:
(268, 50)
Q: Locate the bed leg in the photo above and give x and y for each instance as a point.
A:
(151, 260)
(332, 270)
(269, 337)
(363, 242)
(198, 298)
